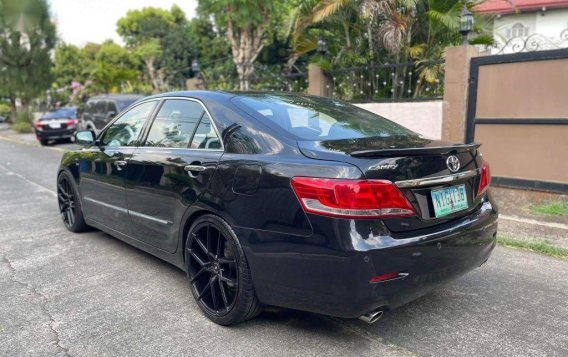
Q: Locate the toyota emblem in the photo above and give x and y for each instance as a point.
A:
(453, 163)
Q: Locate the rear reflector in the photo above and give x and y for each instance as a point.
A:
(351, 198)
(484, 180)
(388, 276)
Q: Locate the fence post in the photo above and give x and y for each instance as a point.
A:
(318, 81)
(456, 83)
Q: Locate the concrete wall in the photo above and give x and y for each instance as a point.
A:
(422, 117)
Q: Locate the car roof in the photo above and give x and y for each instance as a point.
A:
(219, 95)
(116, 96)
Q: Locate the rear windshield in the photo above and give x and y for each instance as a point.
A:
(312, 118)
(124, 103)
(60, 113)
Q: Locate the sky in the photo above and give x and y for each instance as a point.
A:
(82, 21)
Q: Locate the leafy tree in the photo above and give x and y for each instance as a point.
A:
(113, 67)
(209, 43)
(27, 36)
(246, 24)
(162, 36)
(212, 49)
(149, 51)
(70, 63)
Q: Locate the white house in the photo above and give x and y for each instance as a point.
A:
(527, 25)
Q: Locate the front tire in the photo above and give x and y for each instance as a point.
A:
(218, 272)
(70, 204)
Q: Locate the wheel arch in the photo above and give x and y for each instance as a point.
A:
(193, 213)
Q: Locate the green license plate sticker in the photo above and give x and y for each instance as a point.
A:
(449, 200)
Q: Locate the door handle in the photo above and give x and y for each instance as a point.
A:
(120, 164)
(194, 169)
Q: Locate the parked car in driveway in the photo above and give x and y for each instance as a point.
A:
(283, 199)
(56, 124)
(101, 109)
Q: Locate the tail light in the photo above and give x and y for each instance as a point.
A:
(484, 180)
(351, 198)
(38, 124)
(71, 122)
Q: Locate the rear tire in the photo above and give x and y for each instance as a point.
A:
(70, 204)
(218, 272)
(43, 142)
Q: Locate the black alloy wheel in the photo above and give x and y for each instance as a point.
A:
(69, 204)
(218, 273)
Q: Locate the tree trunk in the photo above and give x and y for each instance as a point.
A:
(246, 44)
(13, 109)
(149, 61)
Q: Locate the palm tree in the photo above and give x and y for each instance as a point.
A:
(396, 31)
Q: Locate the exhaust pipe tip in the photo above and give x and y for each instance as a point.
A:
(372, 317)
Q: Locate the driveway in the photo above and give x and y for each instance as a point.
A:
(91, 294)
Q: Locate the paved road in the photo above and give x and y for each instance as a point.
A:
(90, 294)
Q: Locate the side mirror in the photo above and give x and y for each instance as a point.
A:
(85, 138)
(111, 114)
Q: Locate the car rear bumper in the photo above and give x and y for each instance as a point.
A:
(55, 134)
(308, 274)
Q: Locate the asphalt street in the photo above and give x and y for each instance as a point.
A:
(92, 295)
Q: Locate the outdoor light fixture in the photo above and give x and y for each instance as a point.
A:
(195, 66)
(322, 46)
(466, 23)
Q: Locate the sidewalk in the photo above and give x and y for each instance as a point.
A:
(518, 221)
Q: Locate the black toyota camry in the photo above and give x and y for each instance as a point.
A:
(283, 199)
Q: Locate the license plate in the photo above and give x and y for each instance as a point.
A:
(449, 200)
(55, 125)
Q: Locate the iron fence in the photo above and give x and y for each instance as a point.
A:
(285, 82)
(408, 81)
(530, 43)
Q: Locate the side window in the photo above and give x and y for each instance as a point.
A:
(112, 108)
(175, 123)
(124, 131)
(90, 107)
(205, 136)
(100, 107)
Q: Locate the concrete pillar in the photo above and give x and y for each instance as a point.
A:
(318, 81)
(456, 81)
(194, 84)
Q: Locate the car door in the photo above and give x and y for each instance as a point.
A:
(170, 171)
(103, 169)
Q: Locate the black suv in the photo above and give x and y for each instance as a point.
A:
(100, 109)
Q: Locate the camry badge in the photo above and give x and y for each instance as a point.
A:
(453, 163)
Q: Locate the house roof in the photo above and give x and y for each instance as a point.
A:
(513, 6)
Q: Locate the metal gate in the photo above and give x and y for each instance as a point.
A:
(518, 111)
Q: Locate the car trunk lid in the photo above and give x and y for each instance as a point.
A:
(418, 166)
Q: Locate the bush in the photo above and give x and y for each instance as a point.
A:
(22, 127)
(23, 124)
(24, 116)
(4, 109)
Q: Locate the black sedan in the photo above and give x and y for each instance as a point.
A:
(56, 124)
(283, 199)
